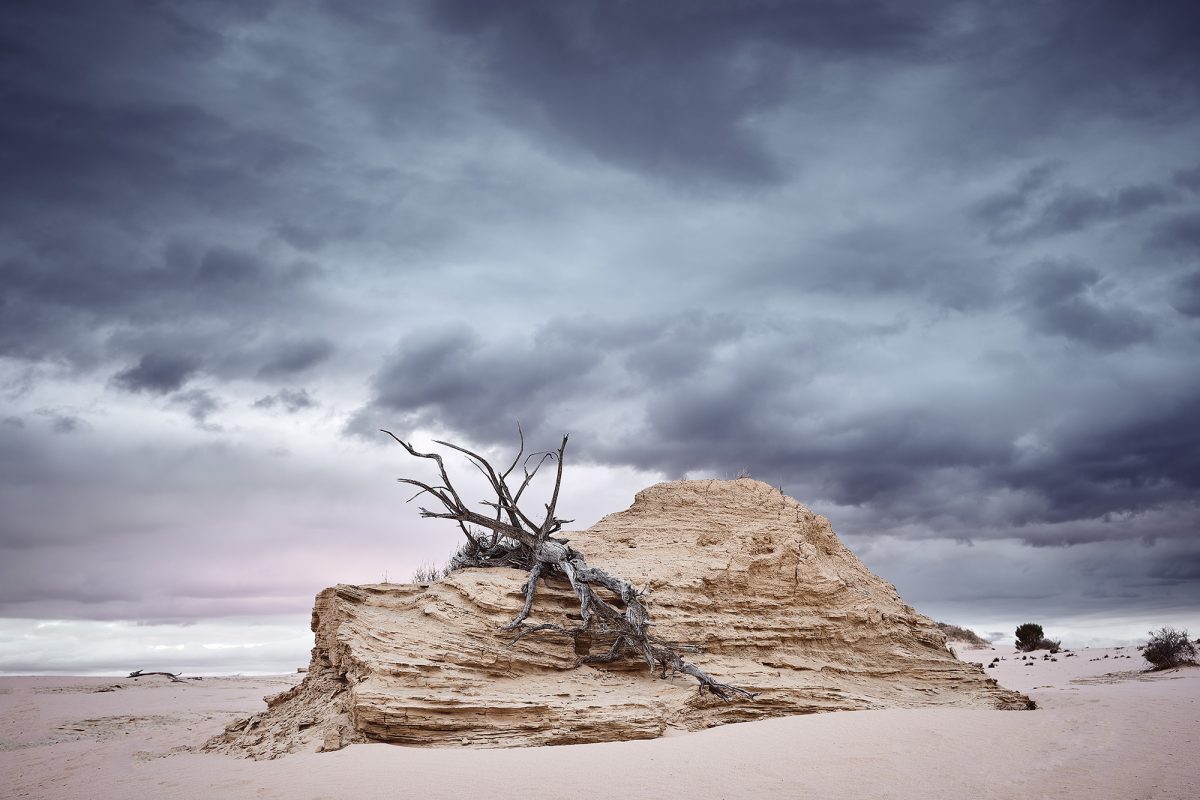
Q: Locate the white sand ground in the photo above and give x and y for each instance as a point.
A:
(1104, 729)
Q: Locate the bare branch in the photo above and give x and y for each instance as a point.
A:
(549, 521)
(520, 452)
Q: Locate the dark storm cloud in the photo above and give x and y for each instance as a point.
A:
(1147, 461)
(1179, 236)
(1188, 178)
(457, 378)
(677, 87)
(1060, 299)
(886, 261)
(761, 409)
(295, 356)
(1030, 71)
(1178, 570)
(161, 373)
(454, 377)
(88, 124)
(1187, 295)
(1036, 206)
(118, 172)
(102, 154)
(671, 86)
(680, 347)
(61, 300)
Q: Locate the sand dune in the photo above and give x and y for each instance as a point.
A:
(1104, 729)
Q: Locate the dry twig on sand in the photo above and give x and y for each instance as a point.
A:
(173, 676)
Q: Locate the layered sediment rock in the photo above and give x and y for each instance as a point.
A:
(777, 604)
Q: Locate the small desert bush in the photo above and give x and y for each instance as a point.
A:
(1169, 648)
(1030, 637)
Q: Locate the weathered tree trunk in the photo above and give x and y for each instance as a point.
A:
(511, 538)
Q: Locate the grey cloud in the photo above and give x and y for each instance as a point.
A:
(115, 175)
(65, 423)
(1061, 66)
(452, 376)
(1046, 587)
(200, 405)
(1188, 178)
(290, 400)
(1145, 462)
(882, 260)
(1061, 301)
(1178, 570)
(1178, 236)
(1002, 208)
(683, 349)
(1037, 207)
(1084, 321)
(677, 88)
(1073, 209)
(221, 266)
(300, 237)
(759, 409)
(75, 154)
(61, 420)
(158, 373)
(672, 87)
(90, 127)
(1187, 295)
(294, 356)
(68, 294)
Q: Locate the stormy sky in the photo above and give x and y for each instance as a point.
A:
(932, 267)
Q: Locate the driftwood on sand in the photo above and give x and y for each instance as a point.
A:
(611, 610)
(174, 676)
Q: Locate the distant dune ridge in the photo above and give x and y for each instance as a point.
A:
(764, 586)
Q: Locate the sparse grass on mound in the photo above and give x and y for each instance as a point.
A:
(955, 633)
(426, 573)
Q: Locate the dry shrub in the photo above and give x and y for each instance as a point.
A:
(426, 573)
(1169, 648)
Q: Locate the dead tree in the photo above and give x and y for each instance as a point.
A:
(509, 537)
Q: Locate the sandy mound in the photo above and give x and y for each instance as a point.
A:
(762, 584)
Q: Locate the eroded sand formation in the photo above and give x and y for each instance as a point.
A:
(763, 585)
